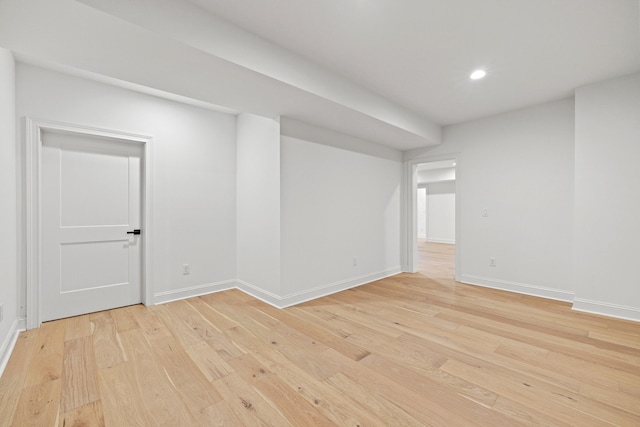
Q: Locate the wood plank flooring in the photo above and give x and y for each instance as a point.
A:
(409, 350)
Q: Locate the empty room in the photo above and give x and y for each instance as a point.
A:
(336, 213)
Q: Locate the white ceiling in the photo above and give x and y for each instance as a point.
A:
(419, 53)
(388, 71)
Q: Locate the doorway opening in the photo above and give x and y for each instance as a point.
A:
(433, 235)
(79, 192)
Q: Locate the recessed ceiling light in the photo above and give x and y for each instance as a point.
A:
(478, 74)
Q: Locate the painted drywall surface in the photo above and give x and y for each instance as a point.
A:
(337, 206)
(8, 207)
(422, 212)
(436, 175)
(258, 209)
(194, 168)
(322, 135)
(70, 34)
(607, 206)
(519, 167)
(441, 223)
(193, 26)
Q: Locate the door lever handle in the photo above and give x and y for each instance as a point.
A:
(137, 231)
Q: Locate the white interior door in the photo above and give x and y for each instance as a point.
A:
(91, 199)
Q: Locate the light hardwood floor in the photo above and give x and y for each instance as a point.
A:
(410, 350)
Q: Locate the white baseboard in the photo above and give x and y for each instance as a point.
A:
(317, 292)
(449, 241)
(405, 268)
(269, 297)
(606, 309)
(520, 288)
(259, 293)
(193, 291)
(9, 342)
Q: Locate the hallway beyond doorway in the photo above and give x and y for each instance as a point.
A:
(437, 260)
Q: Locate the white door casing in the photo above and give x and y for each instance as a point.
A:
(86, 188)
(411, 210)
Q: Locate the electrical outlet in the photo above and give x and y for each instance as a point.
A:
(485, 212)
(492, 262)
(355, 262)
(186, 269)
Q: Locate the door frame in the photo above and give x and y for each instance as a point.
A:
(411, 182)
(33, 194)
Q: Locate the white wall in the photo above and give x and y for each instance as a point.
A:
(221, 194)
(436, 175)
(195, 171)
(258, 171)
(607, 205)
(8, 204)
(518, 166)
(441, 214)
(421, 210)
(337, 205)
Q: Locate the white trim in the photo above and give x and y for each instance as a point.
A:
(193, 291)
(259, 293)
(405, 225)
(606, 309)
(148, 185)
(411, 226)
(32, 223)
(412, 199)
(448, 241)
(9, 343)
(33, 142)
(314, 293)
(519, 288)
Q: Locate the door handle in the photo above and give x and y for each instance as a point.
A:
(136, 232)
